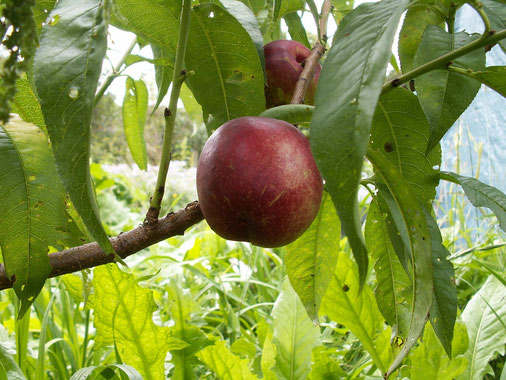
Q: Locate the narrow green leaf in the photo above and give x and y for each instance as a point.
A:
(429, 360)
(493, 77)
(9, 366)
(416, 20)
(158, 25)
(416, 237)
(96, 372)
(348, 90)
(400, 131)
(135, 107)
(296, 29)
(311, 259)
(228, 80)
(26, 104)
(443, 311)
(316, 16)
(163, 73)
(247, 19)
(481, 195)
(191, 106)
(31, 206)
(290, 6)
(294, 335)
(123, 314)
(224, 363)
(394, 291)
(345, 304)
(67, 66)
(485, 319)
(269, 353)
(292, 113)
(445, 94)
(181, 307)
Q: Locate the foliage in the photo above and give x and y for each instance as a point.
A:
(195, 305)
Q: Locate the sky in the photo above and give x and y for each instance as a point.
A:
(119, 41)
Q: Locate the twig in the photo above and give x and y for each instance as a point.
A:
(489, 38)
(125, 244)
(178, 78)
(313, 59)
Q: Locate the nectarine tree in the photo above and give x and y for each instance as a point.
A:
(292, 121)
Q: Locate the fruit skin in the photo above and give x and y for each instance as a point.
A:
(257, 181)
(283, 65)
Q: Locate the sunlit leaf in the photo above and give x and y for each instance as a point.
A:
(224, 363)
(26, 104)
(348, 90)
(135, 107)
(481, 195)
(228, 80)
(66, 70)
(429, 360)
(324, 366)
(269, 353)
(123, 314)
(445, 94)
(294, 336)
(485, 319)
(31, 207)
(311, 259)
(163, 73)
(357, 311)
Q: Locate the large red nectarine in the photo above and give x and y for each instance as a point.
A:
(257, 181)
(284, 62)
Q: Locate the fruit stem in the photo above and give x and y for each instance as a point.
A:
(312, 61)
(178, 78)
(114, 74)
(442, 62)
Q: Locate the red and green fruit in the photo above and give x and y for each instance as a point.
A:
(284, 62)
(257, 181)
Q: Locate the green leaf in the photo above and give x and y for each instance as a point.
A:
(445, 94)
(290, 6)
(163, 73)
(41, 11)
(412, 226)
(481, 195)
(96, 372)
(294, 335)
(443, 311)
(135, 107)
(495, 10)
(31, 206)
(429, 360)
(394, 285)
(158, 25)
(417, 19)
(228, 80)
(66, 68)
(485, 319)
(348, 90)
(8, 366)
(181, 306)
(268, 360)
(400, 132)
(224, 363)
(324, 367)
(191, 106)
(247, 19)
(311, 259)
(292, 113)
(123, 314)
(296, 29)
(356, 310)
(26, 104)
(341, 9)
(493, 77)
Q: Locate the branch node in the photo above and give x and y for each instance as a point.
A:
(166, 112)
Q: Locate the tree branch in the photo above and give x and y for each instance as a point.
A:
(125, 244)
(313, 59)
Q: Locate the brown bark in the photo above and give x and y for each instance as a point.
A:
(125, 244)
